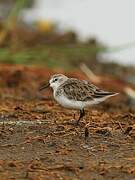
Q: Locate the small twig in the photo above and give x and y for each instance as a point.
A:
(8, 145)
(71, 133)
(23, 122)
(120, 126)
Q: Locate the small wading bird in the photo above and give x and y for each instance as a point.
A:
(76, 94)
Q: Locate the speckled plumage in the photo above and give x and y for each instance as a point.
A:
(78, 90)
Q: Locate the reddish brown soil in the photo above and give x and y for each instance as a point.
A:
(39, 141)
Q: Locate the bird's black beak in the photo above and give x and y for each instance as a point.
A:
(44, 86)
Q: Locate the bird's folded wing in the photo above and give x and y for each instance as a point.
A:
(82, 90)
(77, 90)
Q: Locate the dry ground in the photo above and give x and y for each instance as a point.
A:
(38, 139)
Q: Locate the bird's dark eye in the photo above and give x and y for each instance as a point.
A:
(55, 80)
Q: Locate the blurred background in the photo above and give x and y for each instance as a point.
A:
(90, 37)
(104, 29)
(109, 21)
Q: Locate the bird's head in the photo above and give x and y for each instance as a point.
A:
(55, 81)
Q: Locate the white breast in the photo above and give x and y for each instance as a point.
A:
(69, 103)
(64, 101)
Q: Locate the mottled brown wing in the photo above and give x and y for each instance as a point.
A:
(97, 92)
(82, 90)
(77, 90)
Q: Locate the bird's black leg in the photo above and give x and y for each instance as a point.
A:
(82, 113)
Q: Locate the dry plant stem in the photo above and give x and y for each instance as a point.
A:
(120, 126)
(88, 72)
(130, 92)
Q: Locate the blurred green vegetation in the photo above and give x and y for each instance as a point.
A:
(20, 44)
(64, 56)
(43, 44)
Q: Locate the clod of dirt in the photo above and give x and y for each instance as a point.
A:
(104, 131)
(131, 131)
(129, 128)
(86, 132)
(12, 164)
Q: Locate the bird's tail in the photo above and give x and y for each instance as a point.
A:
(104, 94)
(109, 94)
(100, 97)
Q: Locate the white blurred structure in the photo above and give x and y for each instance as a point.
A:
(111, 21)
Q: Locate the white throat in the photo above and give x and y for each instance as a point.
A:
(54, 86)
